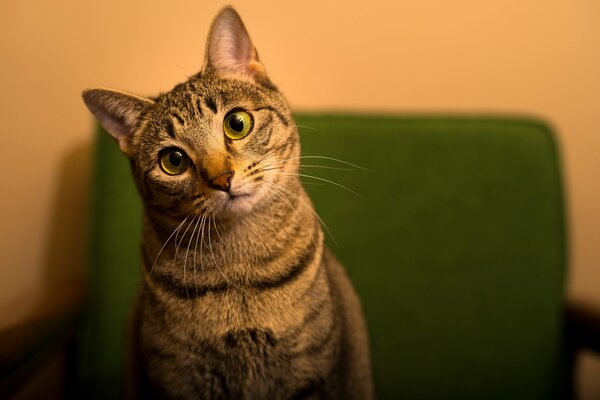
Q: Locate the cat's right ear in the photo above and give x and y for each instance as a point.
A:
(229, 50)
(118, 112)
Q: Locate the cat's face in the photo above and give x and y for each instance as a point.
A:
(221, 143)
(215, 145)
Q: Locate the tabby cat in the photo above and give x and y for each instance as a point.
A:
(241, 298)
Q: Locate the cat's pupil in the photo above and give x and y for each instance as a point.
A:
(175, 158)
(236, 123)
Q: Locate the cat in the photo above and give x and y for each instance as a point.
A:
(241, 298)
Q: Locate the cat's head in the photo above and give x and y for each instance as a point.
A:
(222, 143)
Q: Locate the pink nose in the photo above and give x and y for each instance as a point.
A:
(222, 182)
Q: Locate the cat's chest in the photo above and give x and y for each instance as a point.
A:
(245, 363)
(246, 360)
(233, 317)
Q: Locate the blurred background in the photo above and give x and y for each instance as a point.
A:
(518, 57)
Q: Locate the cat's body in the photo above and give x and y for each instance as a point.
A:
(241, 298)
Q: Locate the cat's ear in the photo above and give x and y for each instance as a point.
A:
(229, 49)
(118, 112)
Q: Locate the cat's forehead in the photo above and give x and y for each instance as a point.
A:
(207, 93)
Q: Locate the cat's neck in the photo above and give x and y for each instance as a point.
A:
(256, 235)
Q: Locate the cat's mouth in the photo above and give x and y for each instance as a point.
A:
(237, 196)
(235, 203)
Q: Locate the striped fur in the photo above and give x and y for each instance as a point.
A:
(241, 298)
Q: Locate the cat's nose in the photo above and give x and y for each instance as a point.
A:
(222, 182)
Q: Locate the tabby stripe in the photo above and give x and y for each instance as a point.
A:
(317, 347)
(268, 138)
(289, 236)
(147, 171)
(179, 118)
(170, 129)
(155, 352)
(172, 190)
(306, 391)
(308, 319)
(155, 305)
(257, 336)
(302, 263)
(265, 125)
(198, 107)
(275, 111)
(269, 258)
(229, 146)
(293, 202)
(277, 149)
(315, 280)
(168, 282)
(165, 209)
(210, 103)
(286, 150)
(262, 135)
(218, 375)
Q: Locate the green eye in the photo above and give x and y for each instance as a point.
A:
(237, 124)
(174, 161)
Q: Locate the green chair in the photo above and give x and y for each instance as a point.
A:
(456, 244)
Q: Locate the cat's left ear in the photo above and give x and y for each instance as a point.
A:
(118, 112)
(229, 50)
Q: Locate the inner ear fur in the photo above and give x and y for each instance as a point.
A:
(118, 112)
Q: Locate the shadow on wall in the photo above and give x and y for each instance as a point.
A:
(62, 274)
(67, 234)
(62, 279)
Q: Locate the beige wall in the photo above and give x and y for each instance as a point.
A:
(515, 56)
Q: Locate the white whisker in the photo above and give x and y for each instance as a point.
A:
(186, 256)
(195, 250)
(297, 213)
(327, 158)
(202, 226)
(161, 250)
(216, 229)
(181, 240)
(307, 127)
(276, 186)
(212, 253)
(324, 180)
(324, 167)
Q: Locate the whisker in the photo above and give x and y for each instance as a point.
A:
(306, 204)
(271, 207)
(324, 167)
(195, 250)
(217, 229)
(307, 127)
(187, 210)
(297, 213)
(202, 226)
(338, 160)
(183, 236)
(212, 253)
(161, 250)
(270, 167)
(327, 158)
(267, 169)
(186, 256)
(324, 180)
(266, 156)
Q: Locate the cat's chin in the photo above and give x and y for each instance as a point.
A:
(234, 205)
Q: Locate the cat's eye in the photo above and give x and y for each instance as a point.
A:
(174, 161)
(237, 124)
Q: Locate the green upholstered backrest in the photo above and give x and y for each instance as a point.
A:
(456, 247)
